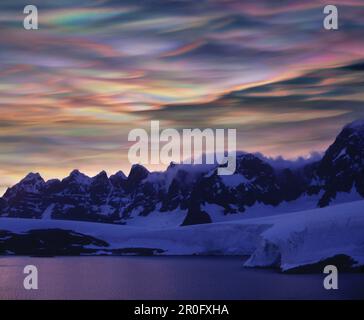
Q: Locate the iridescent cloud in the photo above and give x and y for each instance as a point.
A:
(71, 91)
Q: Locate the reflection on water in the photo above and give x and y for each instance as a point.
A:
(164, 278)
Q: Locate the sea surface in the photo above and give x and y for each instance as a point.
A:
(165, 278)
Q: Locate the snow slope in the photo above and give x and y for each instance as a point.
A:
(307, 237)
(285, 241)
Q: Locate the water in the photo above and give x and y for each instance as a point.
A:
(164, 278)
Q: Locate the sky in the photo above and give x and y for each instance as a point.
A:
(72, 90)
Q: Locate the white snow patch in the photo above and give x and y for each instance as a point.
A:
(157, 219)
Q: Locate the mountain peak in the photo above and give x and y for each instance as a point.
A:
(75, 172)
(79, 177)
(118, 179)
(102, 175)
(136, 175)
(32, 177)
(31, 183)
(119, 175)
(172, 164)
(138, 169)
(137, 165)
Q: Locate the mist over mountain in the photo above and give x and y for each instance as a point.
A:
(280, 162)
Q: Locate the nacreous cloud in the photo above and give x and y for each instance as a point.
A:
(71, 91)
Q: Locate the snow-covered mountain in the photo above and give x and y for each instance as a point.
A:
(194, 194)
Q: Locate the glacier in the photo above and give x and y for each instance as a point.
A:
(285, 241)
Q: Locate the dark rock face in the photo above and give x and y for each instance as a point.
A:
(253, 182)
(343, 262)
(292, 184)
(48, 242)
(118, 180)
(195, 215)
(137, 174)
(100, 188)
(116, 198)
(342, 167)
(59, 242)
